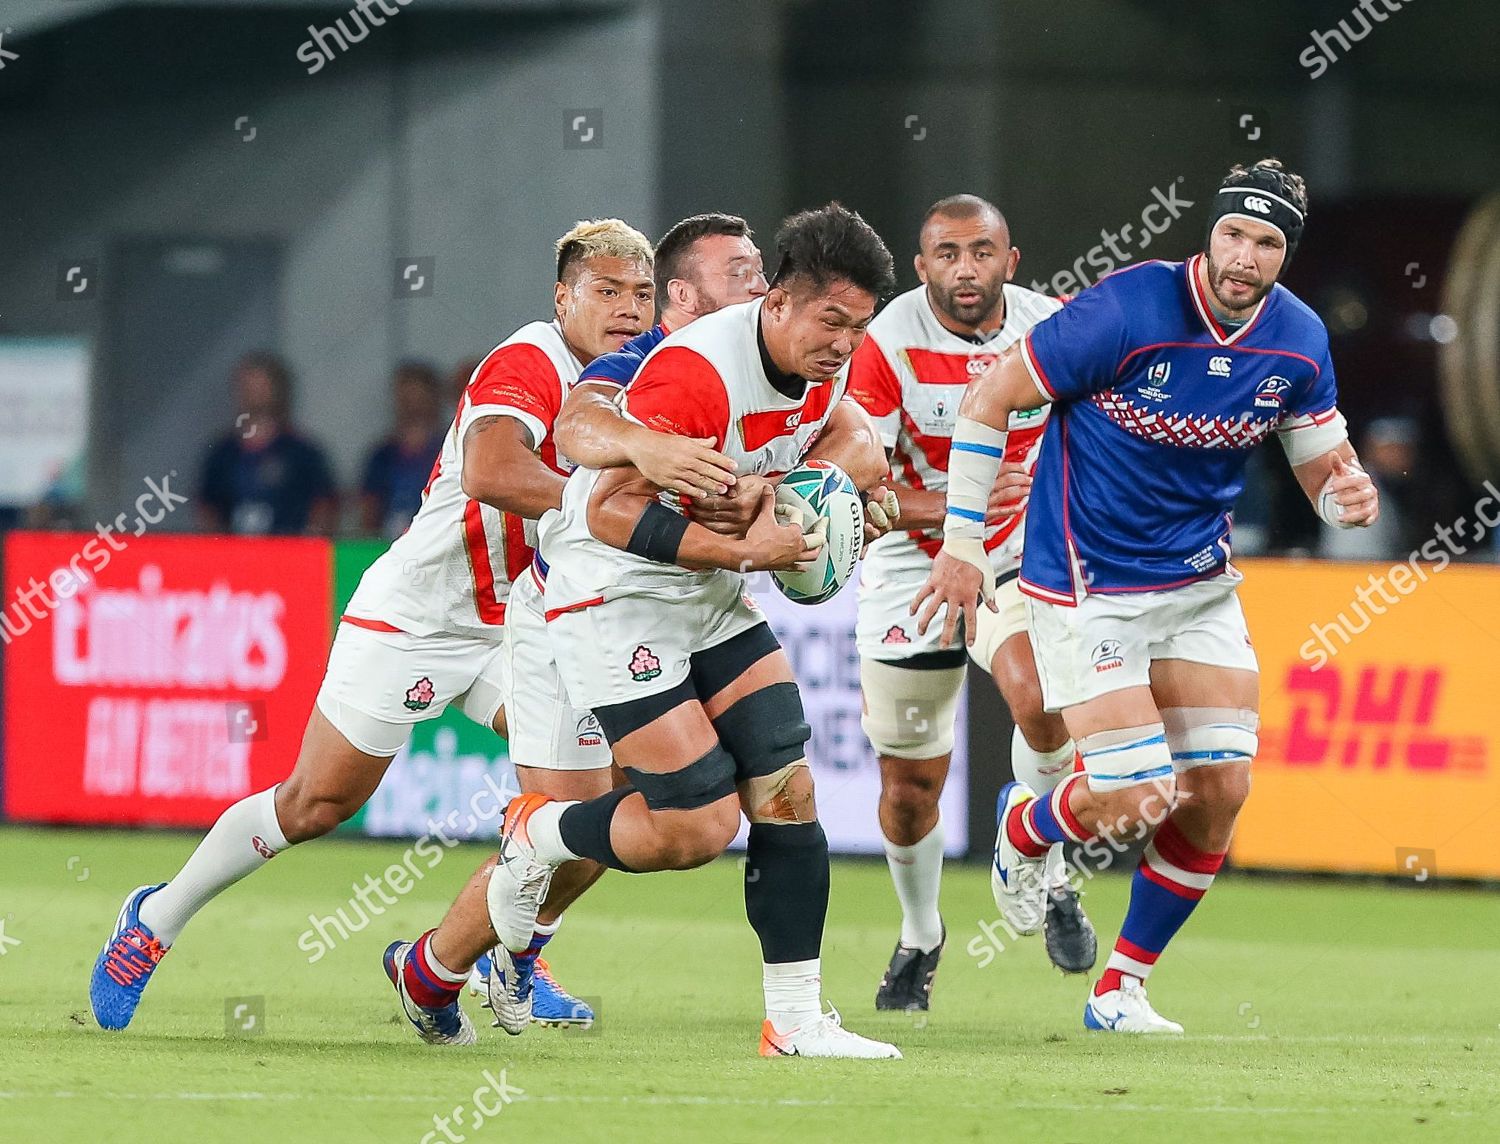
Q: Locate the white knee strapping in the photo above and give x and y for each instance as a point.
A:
(909, 713)
(1205, 736)
(1130, 756)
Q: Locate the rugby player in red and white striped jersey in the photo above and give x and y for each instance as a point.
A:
(424, 630)
(910, 375)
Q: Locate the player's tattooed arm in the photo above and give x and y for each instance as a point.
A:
(592, 431)
(1340, 491)
(621, 497)
(502, 470)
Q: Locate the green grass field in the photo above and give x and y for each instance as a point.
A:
(1316, 1011)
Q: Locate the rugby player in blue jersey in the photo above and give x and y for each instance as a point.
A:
(1163, 377)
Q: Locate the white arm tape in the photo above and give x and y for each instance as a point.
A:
(1305, 439)
(973, 465)
(1328, 508)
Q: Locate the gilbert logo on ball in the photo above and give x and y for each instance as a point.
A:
(822, 489)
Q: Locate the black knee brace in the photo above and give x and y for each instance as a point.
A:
(699, 783)
(765, 731)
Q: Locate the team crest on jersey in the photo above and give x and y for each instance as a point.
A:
(419, 695)
(590, 734)
(896, 635)
(1270, 393)
(644, 665)
(1108, 655)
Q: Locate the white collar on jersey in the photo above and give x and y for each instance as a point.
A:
(1206, 312)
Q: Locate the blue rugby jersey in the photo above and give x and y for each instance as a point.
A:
(619, 367)
(1157, 407)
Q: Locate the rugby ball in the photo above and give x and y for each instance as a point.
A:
(822, 489)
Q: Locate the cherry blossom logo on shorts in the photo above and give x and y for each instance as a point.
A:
(896, 635)
(644, 665)
(420, 695)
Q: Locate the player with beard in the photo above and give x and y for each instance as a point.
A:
(1163, 377)
(910, 375)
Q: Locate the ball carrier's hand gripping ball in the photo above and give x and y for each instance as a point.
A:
(821, 491)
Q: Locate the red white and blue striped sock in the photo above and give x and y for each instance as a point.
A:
(539, 938)
(1037, 823)
(1172, 877)
(429, 982)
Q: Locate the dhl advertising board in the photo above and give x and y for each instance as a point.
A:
(1379, 746)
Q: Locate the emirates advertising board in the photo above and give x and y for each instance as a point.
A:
(157, 683)
(152, 681)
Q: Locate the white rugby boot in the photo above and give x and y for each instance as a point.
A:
(1126, 1010)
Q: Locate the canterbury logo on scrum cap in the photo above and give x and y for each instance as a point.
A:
(1259, 200)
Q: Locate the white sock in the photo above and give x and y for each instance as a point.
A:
(793, 993)
(917, 871)
(544, 929)
(245, 838)
(439, 970)
(546, 834)
(1040, 770)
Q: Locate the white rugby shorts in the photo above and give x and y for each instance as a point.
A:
(1109, 641)
(546, 731)
(380, 683)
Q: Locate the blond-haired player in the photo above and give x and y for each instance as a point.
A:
(424, 630)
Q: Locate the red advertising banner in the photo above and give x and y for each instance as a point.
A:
(155, 680)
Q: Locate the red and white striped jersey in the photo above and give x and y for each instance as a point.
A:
(704, 380)
(452, 569)
(910, 374)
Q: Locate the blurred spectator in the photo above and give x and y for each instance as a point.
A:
(263, 477)
(399, 466)
(458, 381)
(1388, 452)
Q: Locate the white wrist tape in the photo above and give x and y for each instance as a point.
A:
(1328, 508)
(973, 465)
